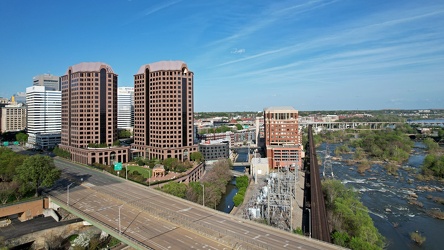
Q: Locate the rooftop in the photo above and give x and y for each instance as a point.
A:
(280, 108)
(90, 67)
(163, 65)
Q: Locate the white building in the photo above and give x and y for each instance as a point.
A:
(44, 117)
(51, 82)
(125, 108)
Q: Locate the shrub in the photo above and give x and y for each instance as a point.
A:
(417, 238)
(238, 199)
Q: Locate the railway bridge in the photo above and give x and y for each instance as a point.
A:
(315, 223)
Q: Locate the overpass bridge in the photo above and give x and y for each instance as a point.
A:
(237, 173)
(241, 164)
(349, 125)
(145, 218)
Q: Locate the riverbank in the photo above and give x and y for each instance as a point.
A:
(387, 198)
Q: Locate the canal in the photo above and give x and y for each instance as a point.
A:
(226, 203)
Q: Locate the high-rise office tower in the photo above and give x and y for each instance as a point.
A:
(163, 111)
(44, 117)
(125, 111)
(51, 82)
(89, 114)
(282, 142)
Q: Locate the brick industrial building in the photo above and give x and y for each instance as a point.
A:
(164, 111)
(282, 139)
(89, 114)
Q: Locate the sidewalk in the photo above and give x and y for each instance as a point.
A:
(297, 208)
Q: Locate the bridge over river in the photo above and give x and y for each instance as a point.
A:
(146, 218)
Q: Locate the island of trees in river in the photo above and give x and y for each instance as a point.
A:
(350, 222)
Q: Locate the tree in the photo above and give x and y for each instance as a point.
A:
(124, 134)
(38, 171)
(238, 199)
(431, 145)
(21, 137)
(351, 222)
(61, 153)
(6, 191)
(176, 189)
(239, 126)
(171, 164)
(9, 160)
(197, 157)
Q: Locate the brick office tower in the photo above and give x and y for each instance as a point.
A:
(89, 114)
(164, 111)
(282, 142)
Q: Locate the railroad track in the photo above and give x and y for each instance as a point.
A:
(318, 215)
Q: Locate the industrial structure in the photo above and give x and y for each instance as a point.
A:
(275, 201)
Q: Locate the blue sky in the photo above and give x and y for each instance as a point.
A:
(246, 55)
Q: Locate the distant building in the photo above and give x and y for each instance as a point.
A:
(259, 167)
(260, 136)
(51, 82)
(89, 114)
(215, 151)
(20, 97)
(4, 100)
(125, 108)
(44, 117)
(164, 111)
(282, 143)
(13, 117)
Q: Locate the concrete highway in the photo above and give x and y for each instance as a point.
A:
(152, 219)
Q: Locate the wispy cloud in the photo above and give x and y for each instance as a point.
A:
(237, 51)
(149, 11)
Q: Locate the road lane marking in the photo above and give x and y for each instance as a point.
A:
(184, 210)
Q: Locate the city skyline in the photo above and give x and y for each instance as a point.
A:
(248, 55)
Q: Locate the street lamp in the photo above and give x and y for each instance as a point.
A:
(309, 221)
(203, 194)
(67, 199)
(126, 168)
(120, 231)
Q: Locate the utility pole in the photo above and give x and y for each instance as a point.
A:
(120, 231)
(203, 194)
(67, 198)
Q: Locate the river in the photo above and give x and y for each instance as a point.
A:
(386, 197)
(226, 203)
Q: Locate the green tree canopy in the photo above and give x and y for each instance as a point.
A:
(38, 171)
(9, 160)
(21, 137)
(352, 225)
(61, 153)
(124, 134)
(196, 156)
(239, 126)
(176, 189)
(431, 145)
